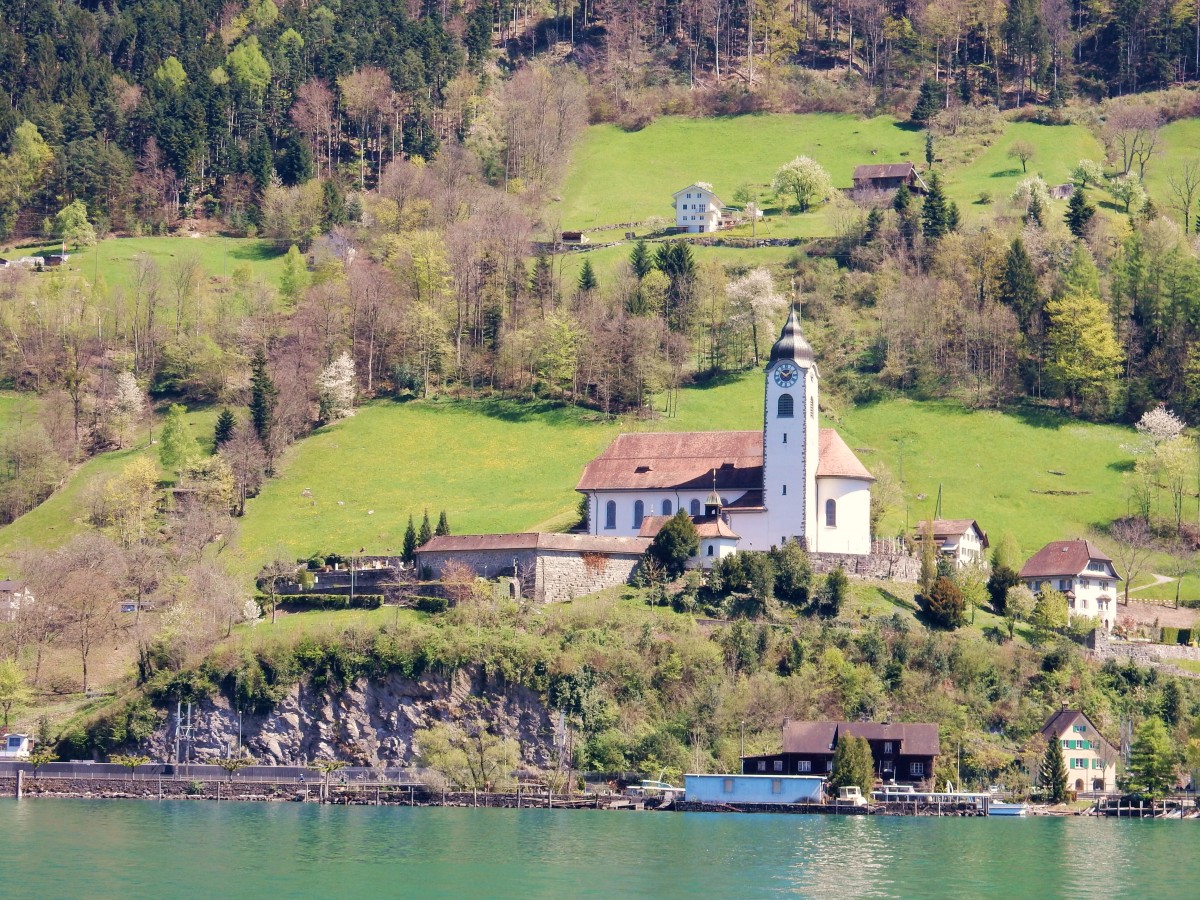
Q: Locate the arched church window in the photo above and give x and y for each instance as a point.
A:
(667, 508)
(639, 512)
(695, 507)
(610, 514)
(710, 549)
(786, 408)
(831, 513)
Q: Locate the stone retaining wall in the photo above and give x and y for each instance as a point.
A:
(545, 575)
(874, 565)
(1103, 647)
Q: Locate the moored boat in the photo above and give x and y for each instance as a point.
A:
(1000, 808)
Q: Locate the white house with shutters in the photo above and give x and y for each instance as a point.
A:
(697, 208)
(749, 490)
(1082, 572)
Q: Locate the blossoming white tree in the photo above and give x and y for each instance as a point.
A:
(335, 388)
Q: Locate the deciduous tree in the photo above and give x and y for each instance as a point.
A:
(805, 180)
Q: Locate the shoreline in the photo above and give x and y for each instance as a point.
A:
(416, 795)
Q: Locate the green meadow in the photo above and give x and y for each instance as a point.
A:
(64, 514)
(496, 466)
(618, 176)
(113, 260)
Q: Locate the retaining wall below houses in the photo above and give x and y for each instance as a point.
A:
(874, 565)
(546, 575)
(1161, 655)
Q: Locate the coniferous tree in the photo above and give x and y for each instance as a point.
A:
(1019, 287)
(929, 101)
(901, 199)
(1054, 773)
(929, 149)
(934, 212)
(1152, 760)
(952, 219)
(542, 282)
(640, 260)
(443, 525)
(587, 278)
(426, 532)
(1035, 214)
(1079, 212)
(410, 541)
(874, 221)
(263, 397)
(852, 764)
(224, 428)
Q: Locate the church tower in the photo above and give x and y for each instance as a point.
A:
(791, 438)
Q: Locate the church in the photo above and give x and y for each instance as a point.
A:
(745, 490)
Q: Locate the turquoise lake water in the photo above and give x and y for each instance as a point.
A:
(68, 848)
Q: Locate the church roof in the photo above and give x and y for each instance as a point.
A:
(685, 460)
(836, 460)
(677, 461)
(791, 343)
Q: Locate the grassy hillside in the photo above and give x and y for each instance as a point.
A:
(113, 260)
(497, 467)
(619, 176)
(63, 514)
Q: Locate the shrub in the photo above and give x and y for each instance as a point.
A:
(432, 604)
(326, 601)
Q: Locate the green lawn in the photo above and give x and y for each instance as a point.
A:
(618, 176)
(112, 260)
(495, 466)
(995, 467)
(64, 513)
(1059, 149)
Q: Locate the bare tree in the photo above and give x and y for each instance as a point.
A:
(1184, 183)
(80, 582)
(1134, 545)
(1181, 562)
(245, 455)
(1131, 135)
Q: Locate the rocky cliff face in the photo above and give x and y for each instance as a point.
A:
(369, 722)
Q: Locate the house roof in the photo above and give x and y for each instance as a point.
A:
(534, 540)
(677, 460)
(1062, 720)
(791, 344)
(875, 171)
(706, 527)
(914, 738)
(947, 528)
(836, 460)
(701, 185)
(1064, 558)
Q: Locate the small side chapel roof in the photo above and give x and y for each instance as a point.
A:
(836, 460)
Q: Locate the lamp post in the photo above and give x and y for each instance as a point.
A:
(742, 725)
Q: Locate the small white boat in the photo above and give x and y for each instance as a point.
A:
(1000, 808)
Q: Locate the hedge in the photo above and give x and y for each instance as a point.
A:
(1172, 635)
(325, 601)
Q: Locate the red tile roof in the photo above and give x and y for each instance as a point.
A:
(706, 527)
(535, 540)
(685, 460)
(676, 461)
(943, 528)
(1064, 558)
(1059, 723)
(914, 738)
(836, 460)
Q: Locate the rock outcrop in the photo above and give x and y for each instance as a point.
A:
(369, 722)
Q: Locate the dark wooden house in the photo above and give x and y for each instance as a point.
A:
(888, 177)
(903, 752)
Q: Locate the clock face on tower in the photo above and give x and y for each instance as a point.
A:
(786, 375)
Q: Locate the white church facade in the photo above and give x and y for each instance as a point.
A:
(747, 490)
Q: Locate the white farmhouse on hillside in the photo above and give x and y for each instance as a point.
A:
(746, 490)
(961, 540)
(1083, 572)
(697, 208)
